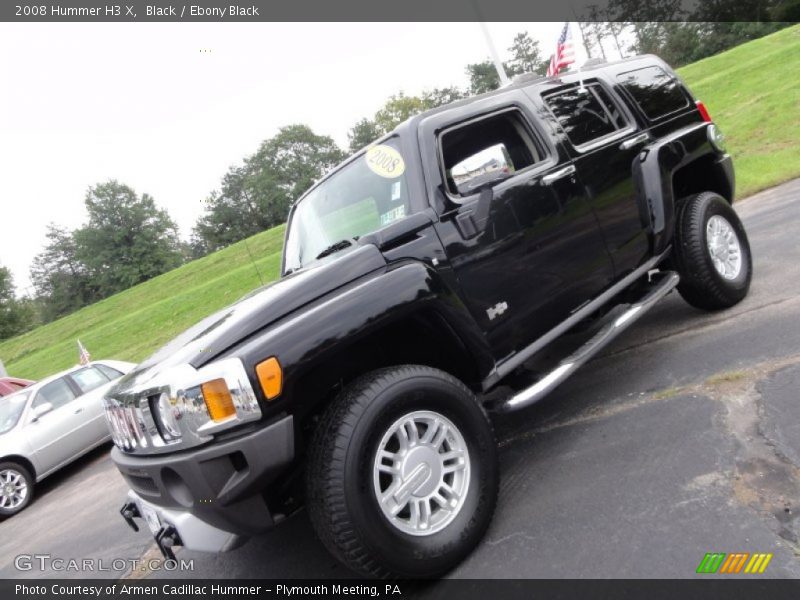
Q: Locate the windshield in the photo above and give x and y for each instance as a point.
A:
(11, 408)
(363, 196)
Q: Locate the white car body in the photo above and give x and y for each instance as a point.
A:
(48, 439)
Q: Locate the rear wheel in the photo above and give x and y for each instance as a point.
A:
(712, 253)
(402, 475)
(16, 488)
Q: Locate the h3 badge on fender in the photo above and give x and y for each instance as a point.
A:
(495, 311)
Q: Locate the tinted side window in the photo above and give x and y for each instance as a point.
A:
(655, 91)
(586, 115)
(109, 372)
(487, 151)
(57, 393)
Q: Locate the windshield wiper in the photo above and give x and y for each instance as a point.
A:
(334, 248)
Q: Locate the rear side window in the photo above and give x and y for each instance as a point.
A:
(58, 393)
(109, 372)
(586, 114)
(487, 150)
(89, 379)
(655, 91)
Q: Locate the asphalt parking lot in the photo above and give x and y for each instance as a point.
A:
(682, 438)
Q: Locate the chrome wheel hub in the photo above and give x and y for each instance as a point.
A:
(13, 489)
(421, 473)
(723, 247)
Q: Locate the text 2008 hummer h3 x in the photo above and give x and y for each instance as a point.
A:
(421, 280)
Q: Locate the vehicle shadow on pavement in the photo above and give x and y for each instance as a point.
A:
(290, 551)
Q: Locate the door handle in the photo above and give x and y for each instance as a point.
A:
(77, 410)
(560, 174)
(634, 141)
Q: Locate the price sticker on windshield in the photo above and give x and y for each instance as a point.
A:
(385, 161)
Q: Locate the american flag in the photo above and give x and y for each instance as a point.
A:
(83, 354)
(565, 53)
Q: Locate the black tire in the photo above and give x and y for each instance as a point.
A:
(10, 466)
(701, 283)
(342, 501)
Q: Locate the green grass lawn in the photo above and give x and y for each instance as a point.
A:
(751, 91)
(133, 323)
(753, 94)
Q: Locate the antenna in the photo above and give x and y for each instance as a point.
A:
(253, 260)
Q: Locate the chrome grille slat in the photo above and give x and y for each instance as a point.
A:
(135, 429)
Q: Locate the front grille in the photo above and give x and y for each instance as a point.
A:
(138, 416)
(127, 426)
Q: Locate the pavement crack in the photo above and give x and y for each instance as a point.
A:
(506, 538)
(764, 478)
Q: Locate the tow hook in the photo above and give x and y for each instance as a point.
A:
(166, 538)
(129, 512)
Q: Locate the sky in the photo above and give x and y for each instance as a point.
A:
(167, 108)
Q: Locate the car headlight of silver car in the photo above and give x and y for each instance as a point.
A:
(181, 407)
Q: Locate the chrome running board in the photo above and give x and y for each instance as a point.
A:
(526, 397)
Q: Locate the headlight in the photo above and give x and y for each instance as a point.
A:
(182, 407)
(167, 416)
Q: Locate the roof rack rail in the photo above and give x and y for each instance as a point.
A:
(527, 78)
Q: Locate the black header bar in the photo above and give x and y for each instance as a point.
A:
(381, 10)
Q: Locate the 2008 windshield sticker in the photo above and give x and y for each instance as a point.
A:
(385, 161)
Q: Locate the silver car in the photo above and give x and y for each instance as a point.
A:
(49, 424)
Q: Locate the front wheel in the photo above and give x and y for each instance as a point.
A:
(16, 488)
(402, 476)
(712, 253)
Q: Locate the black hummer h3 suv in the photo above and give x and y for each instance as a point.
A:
(417, 279)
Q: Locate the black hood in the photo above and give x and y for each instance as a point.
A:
(213, 335)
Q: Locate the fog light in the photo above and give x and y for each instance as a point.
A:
(218, 400)
(167, 418)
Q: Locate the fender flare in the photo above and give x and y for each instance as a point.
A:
(653, 170)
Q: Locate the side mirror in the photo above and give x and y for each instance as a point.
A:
(41, 410)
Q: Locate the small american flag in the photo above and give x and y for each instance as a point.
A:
(565, 53)
(83, 354)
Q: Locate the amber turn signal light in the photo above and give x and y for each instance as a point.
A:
(218, 400)
(270, 376)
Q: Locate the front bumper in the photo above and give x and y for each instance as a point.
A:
(182, 528)
(218, 486)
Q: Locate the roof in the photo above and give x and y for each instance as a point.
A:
(528, 80)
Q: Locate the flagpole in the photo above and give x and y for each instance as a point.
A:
(580, 58)
(584, 53)
(498, 64)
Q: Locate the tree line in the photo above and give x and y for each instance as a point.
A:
(128, 239)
